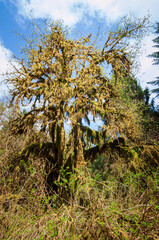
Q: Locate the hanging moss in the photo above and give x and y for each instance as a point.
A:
(143, 156)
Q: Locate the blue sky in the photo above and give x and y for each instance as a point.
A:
(81, 16)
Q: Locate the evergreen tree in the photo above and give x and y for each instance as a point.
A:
(155, 56)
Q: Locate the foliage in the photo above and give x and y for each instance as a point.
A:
(62, 80)
(129, 109)
(155, 57)
(118, 200)
(45, 192)
(116, 197)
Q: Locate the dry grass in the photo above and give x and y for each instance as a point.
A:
(96, 209)
(105, 201)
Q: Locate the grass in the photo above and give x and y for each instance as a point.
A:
(114, 204)
(114, 198)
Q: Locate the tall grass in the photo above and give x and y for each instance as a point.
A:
(103, 201)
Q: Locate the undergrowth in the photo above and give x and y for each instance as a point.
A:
(116, 197)
(102, 201)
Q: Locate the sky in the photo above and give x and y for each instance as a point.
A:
(80, 16)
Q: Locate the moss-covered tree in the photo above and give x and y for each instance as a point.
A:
(62, 80)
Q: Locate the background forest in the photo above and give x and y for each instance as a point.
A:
(79, 138)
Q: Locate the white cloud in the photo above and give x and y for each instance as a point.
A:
(6, 66)
(148, 70)
(5, 57)
(71, 11)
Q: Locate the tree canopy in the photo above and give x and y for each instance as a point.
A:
(61, 80)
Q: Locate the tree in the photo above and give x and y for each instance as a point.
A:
(62, 80)
(146, 96)
(155, 57)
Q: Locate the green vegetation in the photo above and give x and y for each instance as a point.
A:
(155, 57)
(83, 183)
